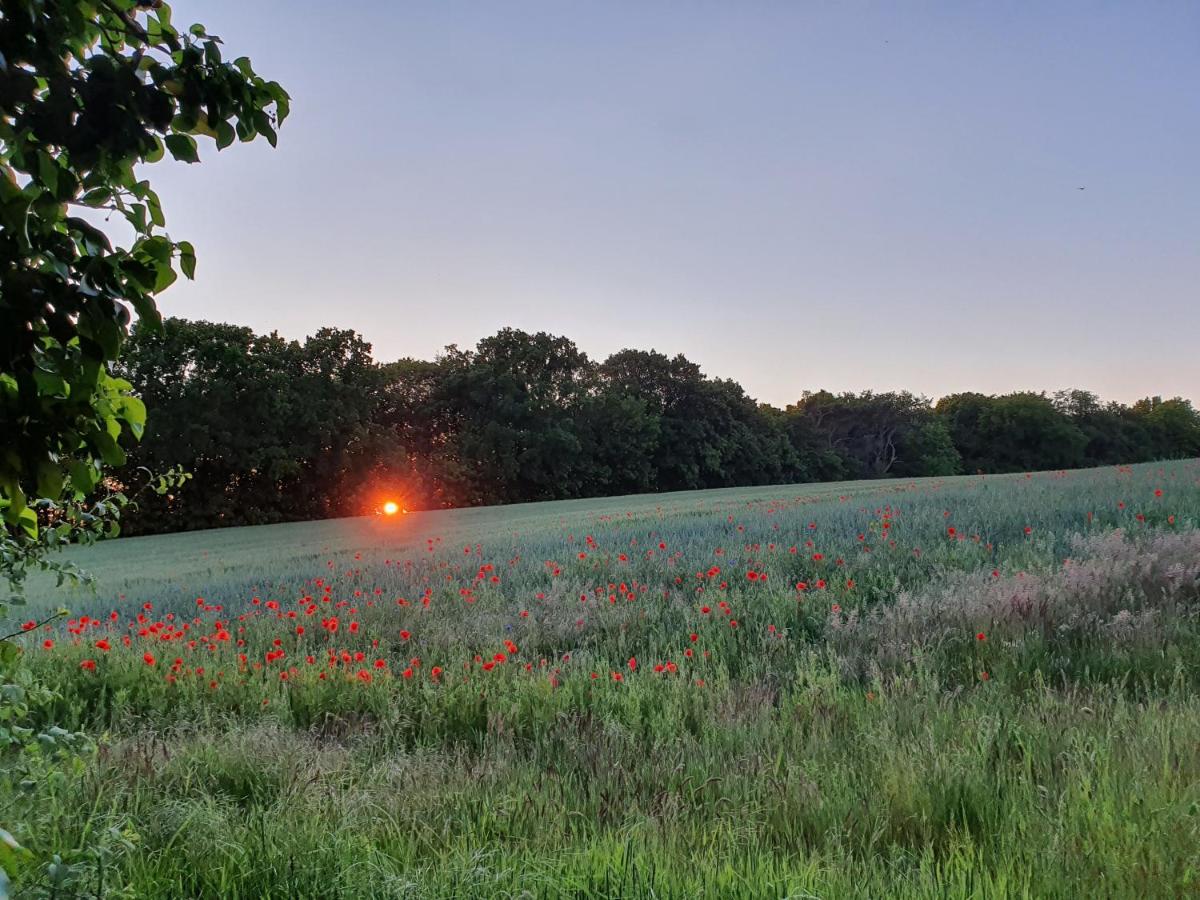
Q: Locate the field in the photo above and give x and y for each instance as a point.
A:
(966, 687)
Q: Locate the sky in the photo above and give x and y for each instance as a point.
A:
(933, 197)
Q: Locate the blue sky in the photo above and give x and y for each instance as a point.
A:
(794, 195)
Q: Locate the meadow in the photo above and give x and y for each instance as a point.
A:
(979, 686)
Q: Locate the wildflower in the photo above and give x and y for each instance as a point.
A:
(88, 665)
(29, 626)
(47, 644)
(405, 635)
(981, 636)
(148, 659)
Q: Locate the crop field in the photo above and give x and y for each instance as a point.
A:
(964, 687)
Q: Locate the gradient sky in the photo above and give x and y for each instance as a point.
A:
(794, 195)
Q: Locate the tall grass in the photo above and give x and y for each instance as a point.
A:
(987, 687)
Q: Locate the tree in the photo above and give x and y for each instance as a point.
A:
(271, 430)
(514, 400)
(1114, 432)
(1174, 426)
(1017, 432)
(693, 445)
(888, 434)
(88, 92)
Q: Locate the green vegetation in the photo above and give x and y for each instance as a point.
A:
(276, 430)
(89, 93)
(986, 686)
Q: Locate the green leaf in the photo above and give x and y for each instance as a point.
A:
(157, 153)
(48, 171)
(187, 258)
(13, 858)
(51, 384)
(166, 277)
(9, 654)
(49, 480)
(225, 135)
(183, 147)
(84, 476)
(134, 413)
(28, 523)
(155, 206)
(110, 450)
(16, 503)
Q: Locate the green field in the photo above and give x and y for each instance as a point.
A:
(964, 687)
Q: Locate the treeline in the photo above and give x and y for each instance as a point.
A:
(275, 430)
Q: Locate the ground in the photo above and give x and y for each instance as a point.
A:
(962, 687)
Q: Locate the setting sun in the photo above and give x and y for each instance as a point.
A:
(391, 508)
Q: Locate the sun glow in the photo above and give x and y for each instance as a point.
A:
(391, 508)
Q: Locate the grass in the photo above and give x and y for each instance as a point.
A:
(986, 687)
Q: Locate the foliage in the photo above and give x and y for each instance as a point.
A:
(88, 92)
(271, 429)
(279, 430)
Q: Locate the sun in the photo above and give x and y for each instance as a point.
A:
(391, 508)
